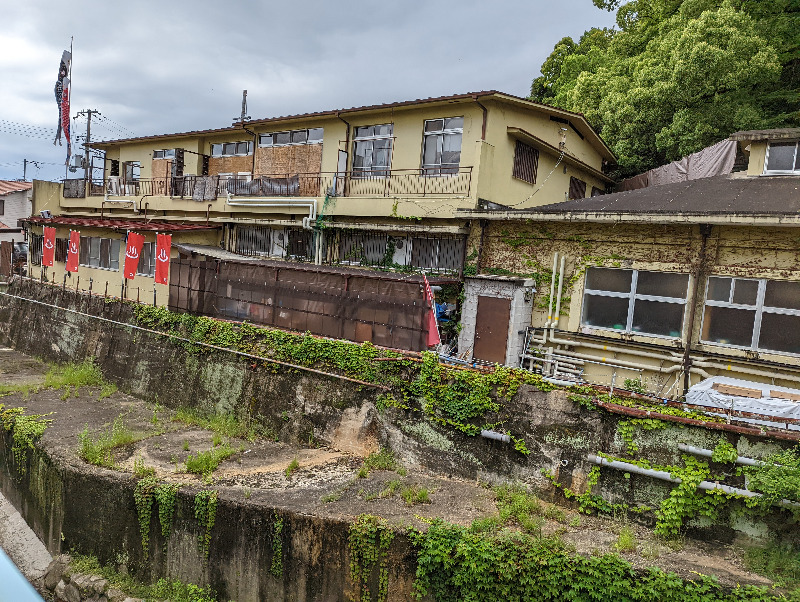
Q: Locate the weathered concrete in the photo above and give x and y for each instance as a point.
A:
(21, 544)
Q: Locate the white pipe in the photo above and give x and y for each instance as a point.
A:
(552, 292)
(744, 370)
(617, 363)
(665, 476)
(707, 453)
(311, 204)
(496, 436)
(554, 323)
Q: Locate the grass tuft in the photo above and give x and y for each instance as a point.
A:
(626, 540)
(204, 463)
(293, 466)
(99, 449)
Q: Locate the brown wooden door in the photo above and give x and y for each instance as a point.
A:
(491, 329)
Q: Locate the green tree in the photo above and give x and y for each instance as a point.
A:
(678, 75)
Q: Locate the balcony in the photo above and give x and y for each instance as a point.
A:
(428, 182)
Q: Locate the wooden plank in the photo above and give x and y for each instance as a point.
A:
(784, 395)
(738, 391)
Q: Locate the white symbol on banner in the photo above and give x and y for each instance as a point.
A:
(162, 256)
(73, 248)
(132, 253)
(48, 244)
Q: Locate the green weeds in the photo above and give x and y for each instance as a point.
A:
(24, 431)
(293, 466)
(222, 425)
(204, 463)
(99, 449)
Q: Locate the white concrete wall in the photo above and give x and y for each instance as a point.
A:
(501, 287)
(17, 206)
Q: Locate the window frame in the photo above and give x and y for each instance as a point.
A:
(759, 309)
(151, 262)
(307, 141)
(236, 144)
(633, 296)
(85, 244)
(359, 173)
(166, 153)
(437, 169)
(529, 163)
(794, 171)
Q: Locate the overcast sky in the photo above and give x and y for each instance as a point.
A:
(164, 66)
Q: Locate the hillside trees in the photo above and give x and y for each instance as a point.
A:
(678, 75)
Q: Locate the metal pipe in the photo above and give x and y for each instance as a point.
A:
(496, 436)
(705, 232)
(552, 292)
(707, 453)
(744, 370)
(554, 323)
(665, 476)
(310, 204)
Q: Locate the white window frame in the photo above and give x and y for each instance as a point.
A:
(759, 310)
(221, 153)
(429, 169)
(782, 171)
(632, 297)
(166, 153)
(100, 239)
(373, 172)
(151, 271)
(263, 144)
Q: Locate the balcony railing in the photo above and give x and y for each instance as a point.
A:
(442, 181)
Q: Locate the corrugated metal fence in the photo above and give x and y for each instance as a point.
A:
(358, 305)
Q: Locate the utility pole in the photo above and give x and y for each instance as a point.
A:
(25, 168)
(88, 113)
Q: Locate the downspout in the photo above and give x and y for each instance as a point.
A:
(347, 152)
(485, 116)
(554, 323)
(705, 232)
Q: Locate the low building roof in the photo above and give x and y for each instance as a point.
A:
(775, 134)
(720, 199)
(9, 186)
(118, 225)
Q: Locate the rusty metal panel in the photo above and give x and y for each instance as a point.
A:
(491, 329)
(5, 258)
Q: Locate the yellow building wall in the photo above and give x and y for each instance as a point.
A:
(758, 156)
(752, 252)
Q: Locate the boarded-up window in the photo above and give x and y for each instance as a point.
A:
(577, 188)
(526, 162)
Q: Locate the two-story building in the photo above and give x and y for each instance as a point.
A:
(378, 186)
(15, 204)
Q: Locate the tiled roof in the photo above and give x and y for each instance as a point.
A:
(118, 224)
(8, 186)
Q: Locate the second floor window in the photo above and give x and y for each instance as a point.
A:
(231, 149)
(99, 252)
(372, 150)
(164, 154)
(783, 157)
(310, 136)
(635, 301)
(132, 171)
(577, 188)
(526, 162)
(441, 146)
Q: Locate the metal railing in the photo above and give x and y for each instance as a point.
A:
(423, 182)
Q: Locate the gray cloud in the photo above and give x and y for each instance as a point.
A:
(160, 66)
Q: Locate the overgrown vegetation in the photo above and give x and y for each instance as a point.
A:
(163, 589)
(381, 460)
(205, 511)
(292, 467)
(98, 449)
(675, 76)
(369, 541)
(456, 564)
(69, 377)
(24, 429)
(143, 495)
(276, 566)
(223, 424)
(205, 463)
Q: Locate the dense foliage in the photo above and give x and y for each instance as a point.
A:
(675, 76)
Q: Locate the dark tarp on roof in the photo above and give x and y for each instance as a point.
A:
(755, 195)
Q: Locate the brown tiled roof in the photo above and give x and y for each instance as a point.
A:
(117, 224)
(390, 105)
(9, 186)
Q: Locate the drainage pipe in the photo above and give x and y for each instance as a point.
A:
(744, 370)
(666, 476)
(554, 323)
(707, 453)
(311, 205)
(496, 436)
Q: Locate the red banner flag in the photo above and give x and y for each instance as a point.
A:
(433, 326)
(163, 248)
(132, 253)
(49, 246)
(73, 250)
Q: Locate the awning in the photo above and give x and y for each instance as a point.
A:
(119, 225)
